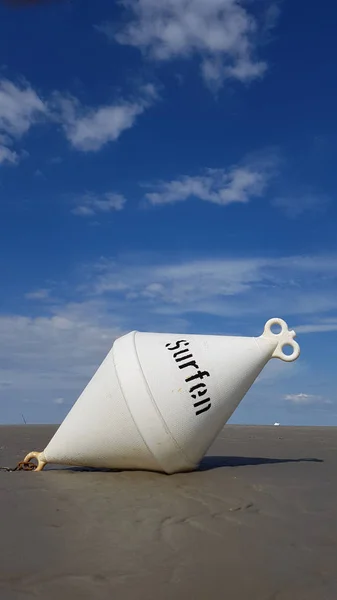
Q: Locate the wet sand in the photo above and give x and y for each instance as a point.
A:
(258, 521)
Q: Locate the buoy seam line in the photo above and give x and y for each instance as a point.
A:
(259, 347)
(188, 461)
(131, 415)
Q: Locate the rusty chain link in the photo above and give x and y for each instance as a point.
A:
(21, 466)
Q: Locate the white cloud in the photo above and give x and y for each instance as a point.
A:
(217, 186)
(8, 156)
(91, 204)
(306, 399)
(86, 128)
(222, 34)
(239, 183)
(89, 129)
(59, 401)
(20, 108)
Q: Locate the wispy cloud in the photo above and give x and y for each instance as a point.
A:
(222, 34)
(271, 16)
(56, 160)
(221, 287)
(294, 205)
(39, 174)
(239, 183)
(318, 326)
(90, 204)
(40, 294)
(89, 129)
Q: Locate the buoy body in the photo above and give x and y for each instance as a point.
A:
(158, 401)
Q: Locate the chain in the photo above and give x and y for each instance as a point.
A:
(21, 466)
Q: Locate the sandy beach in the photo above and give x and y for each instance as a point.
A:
(257, 521)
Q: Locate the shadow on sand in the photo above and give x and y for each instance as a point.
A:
(216, 462)
(207, 464)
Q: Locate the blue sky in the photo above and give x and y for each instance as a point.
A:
(166, 167)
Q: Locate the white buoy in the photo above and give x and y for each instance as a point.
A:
(158, 401)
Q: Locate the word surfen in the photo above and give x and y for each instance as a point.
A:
(197, 390)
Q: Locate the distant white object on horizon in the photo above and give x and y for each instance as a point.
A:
(277, 424)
